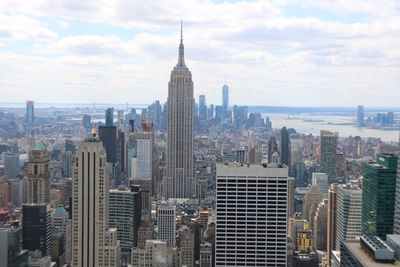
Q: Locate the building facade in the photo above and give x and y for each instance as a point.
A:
(39, 175)
(251, 210)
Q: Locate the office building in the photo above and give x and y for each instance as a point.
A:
(110, 117)
(108, 135)
(185, 243)
(348, 213)
(4, 192)
(18, 188)
(320, 226)
(360, 116)
(87, 122)
(370, 251)
(125, 215)
(179, 181)
(378, 198)
(62, 222)
(272, 148)
(206, 259)
(11, 253)
(11, 165)
(39, 175)
(396, 226)
(332, 217)
(251, 210)
(93, 243)
(285, 147)
(202, 107)
(310, 203)
(154, 253)
(166, 221)
(328, 154)
(36, 228)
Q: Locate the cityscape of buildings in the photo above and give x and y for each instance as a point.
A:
(189, 184)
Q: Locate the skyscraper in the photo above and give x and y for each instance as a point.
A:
(285, 147)
(396, 225)
(93, 243)
(110, 117)
(125, 214)
(36, 228)
(378, 198)
(251, 210)
(328, 154)
(225, 98)
(332, 208)
(166, 220)
(179, 181)
(202, 107)
(39, 175)
(272, 148)
(348, 222)
(11, 165)
(108, 134)
(30, 116)
(10, 248)
(360, 116)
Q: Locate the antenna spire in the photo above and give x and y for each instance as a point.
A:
(181, 31)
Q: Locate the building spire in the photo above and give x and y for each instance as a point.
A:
(181, 60)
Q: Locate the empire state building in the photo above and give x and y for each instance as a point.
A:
(179, 181)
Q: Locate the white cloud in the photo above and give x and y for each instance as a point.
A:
(280, 59)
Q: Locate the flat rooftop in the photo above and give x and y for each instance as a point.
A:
(365, 259)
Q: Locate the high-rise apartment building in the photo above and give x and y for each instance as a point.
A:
(125, 214)
(378, 197)
(251, 210)
(166, 221)
(36, 228)
(179, 181)
(348, 214)
(93, 243)
(39, 175)
(328, 154)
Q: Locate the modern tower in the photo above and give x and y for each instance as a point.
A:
(179, 181)
(272, 148)
(30, 116)
(251, 210)
(11, 165)
(328, 154)
(93, 243)
(166, 221)
(39, 175)
(108, 134)
(378, 198)
(225, 98)
(285, 147)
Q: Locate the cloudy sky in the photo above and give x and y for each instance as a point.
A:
(277, 52)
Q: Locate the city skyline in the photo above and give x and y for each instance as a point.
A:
(283, 52)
